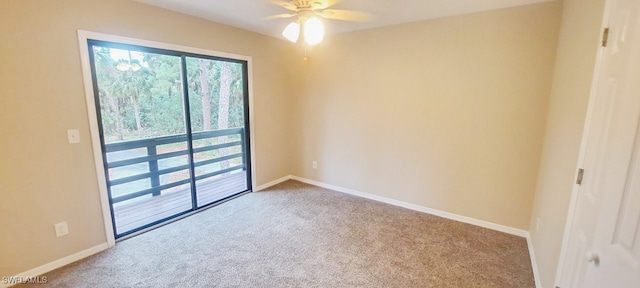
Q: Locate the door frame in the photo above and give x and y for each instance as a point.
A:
(575, 191)
(83, 37)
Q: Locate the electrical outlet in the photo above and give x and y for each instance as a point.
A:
(73, 135)
(61, 229)
(315, 165)
(537, 224)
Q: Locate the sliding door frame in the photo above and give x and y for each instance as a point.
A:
(184, 51)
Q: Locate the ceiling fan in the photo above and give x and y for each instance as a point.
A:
(307, 14)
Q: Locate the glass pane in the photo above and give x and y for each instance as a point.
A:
(216, 106)
(143, 124)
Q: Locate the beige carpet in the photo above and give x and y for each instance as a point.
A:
(296, 235)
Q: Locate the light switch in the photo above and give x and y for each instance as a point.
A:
(74, 136)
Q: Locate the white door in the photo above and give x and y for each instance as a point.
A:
(604, 244)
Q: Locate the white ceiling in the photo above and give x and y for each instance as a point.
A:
(248, 14)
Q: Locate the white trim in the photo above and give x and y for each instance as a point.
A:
(443, 214)
(83, 36)
(501, 228)
(252, 133)
(252, 138)
(534, 263)
(583, 146)
(95, 137)
(40, 270)
(272, 183)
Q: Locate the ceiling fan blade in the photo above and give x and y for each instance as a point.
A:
(344, 15)
(280, 16)
(328, 3)
(284, 4)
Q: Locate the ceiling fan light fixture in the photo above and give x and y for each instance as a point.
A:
(308, 24)
(292, 32)
(313, 31)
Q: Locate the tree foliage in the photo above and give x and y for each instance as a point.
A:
(149, 101)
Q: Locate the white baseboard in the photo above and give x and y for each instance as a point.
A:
(534, 263)
(272, 183)
(41, 270)
(99, 248)
(485, 224)
(443, 214)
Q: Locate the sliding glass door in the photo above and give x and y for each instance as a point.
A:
(216, 100)
(173, 128)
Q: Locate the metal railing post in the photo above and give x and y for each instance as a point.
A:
(243, 150)
(153, 168)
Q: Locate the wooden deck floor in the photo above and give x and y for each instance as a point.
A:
(130, 216)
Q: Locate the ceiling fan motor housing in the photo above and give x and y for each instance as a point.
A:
(307, 4)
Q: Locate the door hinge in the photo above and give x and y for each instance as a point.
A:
(580, 175)
(605, 37)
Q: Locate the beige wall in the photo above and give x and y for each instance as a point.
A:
(44, 180)
(577, 48)
(447, 113)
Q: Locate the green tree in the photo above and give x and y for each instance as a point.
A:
(223, 106)
(206, 97)
(134, 84)
(109, 104)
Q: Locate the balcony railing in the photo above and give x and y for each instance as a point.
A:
(152, 157)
